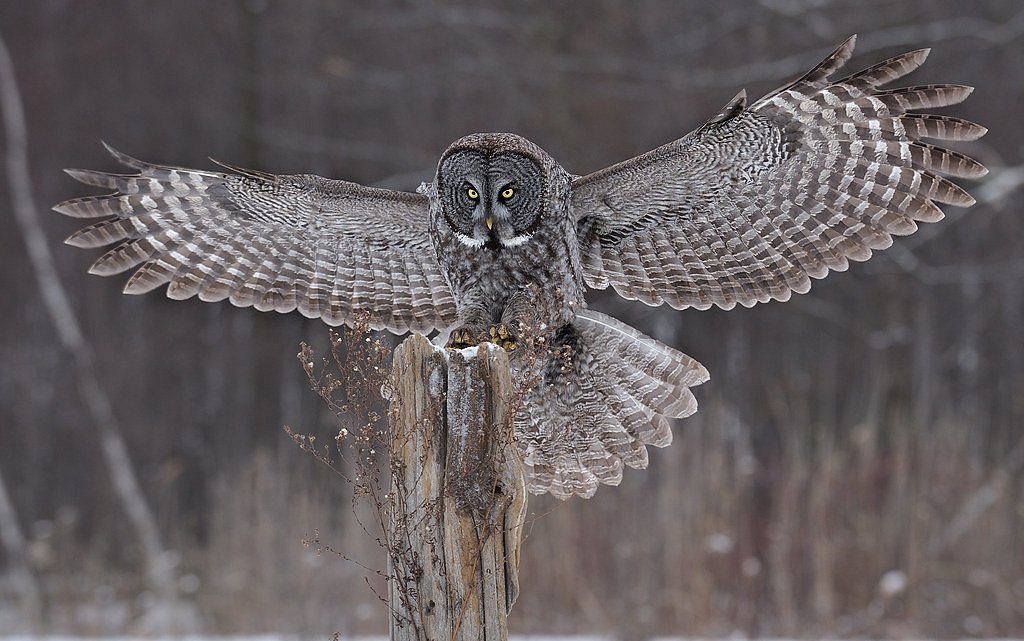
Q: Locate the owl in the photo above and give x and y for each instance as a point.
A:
(503, 244)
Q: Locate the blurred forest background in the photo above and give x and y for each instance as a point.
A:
(857, 464)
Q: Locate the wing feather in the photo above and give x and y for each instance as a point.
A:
(763, 199)
(331, 249)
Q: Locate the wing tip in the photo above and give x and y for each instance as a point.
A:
(832, 62)
(77, 239)
(843, 52)
(133, 288)
(63, 207)
(102, 268)
(125, 159)
(79, 208)
(251, 173)
(917, 55)
(78, 174)
(731, 109)
(703, 375)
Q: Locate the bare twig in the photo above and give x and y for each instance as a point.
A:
(979, 502)
(1000, 183)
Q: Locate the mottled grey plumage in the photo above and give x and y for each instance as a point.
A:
(526, 269)
(500, 246)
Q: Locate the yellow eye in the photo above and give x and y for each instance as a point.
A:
(506, 194)
(472, 193)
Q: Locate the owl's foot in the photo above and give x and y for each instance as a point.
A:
(502, 336)
(499, 334)
(462, 337)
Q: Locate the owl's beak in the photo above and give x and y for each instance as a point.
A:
(489, 221)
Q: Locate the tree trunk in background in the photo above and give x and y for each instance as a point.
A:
(160, 574)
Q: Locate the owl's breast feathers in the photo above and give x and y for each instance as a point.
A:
(546, 267)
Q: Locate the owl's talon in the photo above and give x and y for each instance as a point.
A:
(501, 336)
(462, 338)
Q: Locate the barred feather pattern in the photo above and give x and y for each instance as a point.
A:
(760, 200)
(748, 208)
(608, 392)
(330, 249)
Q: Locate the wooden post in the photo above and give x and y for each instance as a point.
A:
(459, 494)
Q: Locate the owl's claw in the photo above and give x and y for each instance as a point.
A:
(502, 337)
(461, 338)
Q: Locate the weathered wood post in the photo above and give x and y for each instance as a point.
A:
(459, 500)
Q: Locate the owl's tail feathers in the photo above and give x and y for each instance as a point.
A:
(607, 394)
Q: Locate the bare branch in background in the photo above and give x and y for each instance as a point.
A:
(979, 502)
(1000, 184)
(160, 573)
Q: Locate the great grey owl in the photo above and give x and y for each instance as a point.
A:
(748, 208)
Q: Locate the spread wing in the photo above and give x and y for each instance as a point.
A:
(329, 248)
(761, 199)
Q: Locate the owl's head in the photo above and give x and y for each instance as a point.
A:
(497, 190)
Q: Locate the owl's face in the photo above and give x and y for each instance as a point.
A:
(491, 199)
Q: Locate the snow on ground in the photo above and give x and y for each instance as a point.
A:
(285, 637)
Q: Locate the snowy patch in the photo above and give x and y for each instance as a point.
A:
(436, 384)
(892, 583)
